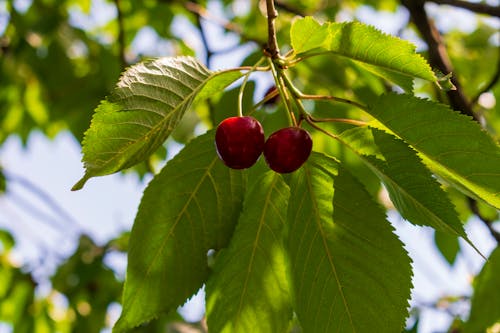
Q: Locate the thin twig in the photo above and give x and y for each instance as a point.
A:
(228, 26)
(473, 205)
(438, 56)
(121, 34)
(481, 8)
(272, 42)
(494, 80)
(335, 99)
(339, 120)
(204, 40)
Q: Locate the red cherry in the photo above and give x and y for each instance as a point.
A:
(239, 141)
(274, 99)
(287, 149)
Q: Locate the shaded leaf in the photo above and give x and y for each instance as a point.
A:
(452, 145)
(411, 186)
(347, 265)
(447, 245)
(248, 291)
(362, 43)
(146, 105)
(190, 207)
(485, 303)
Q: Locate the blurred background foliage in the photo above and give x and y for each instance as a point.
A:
(59, 58)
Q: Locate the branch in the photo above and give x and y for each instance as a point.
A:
(493, 81)
(228, 26)
(481, 8)
(272, 42)
(121, 34)
(438, 56)
(204, 40)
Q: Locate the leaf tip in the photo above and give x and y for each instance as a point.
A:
(79, 185)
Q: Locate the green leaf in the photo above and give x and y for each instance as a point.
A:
(350, 272)
(141, 112)
(307, 34)
(414, 192)
(190, 207)
(364, 44)
(447, 245)
(3, 181)
(452, 145)
(248, 290)
(485, 303)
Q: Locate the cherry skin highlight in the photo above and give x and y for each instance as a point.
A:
(239, 141)
(287, 149)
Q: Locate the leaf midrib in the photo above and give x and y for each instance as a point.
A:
(433, 159)
(316, 211)
(156, 128)
(167, 237)
(387, 178)
(254, 247)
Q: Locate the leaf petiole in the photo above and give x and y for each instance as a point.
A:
(278, 79)
(243, 85)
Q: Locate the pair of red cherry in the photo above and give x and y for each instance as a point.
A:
(240, 141)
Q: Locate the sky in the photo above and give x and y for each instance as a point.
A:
(107, 205)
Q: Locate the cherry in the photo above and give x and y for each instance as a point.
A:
(287, 149)
(274, 99)
(239, 141)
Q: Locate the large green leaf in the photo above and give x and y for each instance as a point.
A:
(146, 105)
(248, 290)
(452, 145)
(384, 55)
(190, 207)
(350, 272)
(414, 192)
(485, 303)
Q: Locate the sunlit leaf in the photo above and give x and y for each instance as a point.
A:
(248, 291)
(364, 44)
(485, 303)
(190, 207)
(146, 105)
(411, 186)
(452, 145)
(347, 265)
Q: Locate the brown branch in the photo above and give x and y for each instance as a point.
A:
(272, 42)
(204, 41)
(480, 8)
(121, 34)
(228, 26)
(438, 56)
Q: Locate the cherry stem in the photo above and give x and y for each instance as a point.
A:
(243, 85)
(244, 68)
(333, 98)
(338, 120)
(313, 124)
(295, 61)
(299, 95)
(278, 79)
